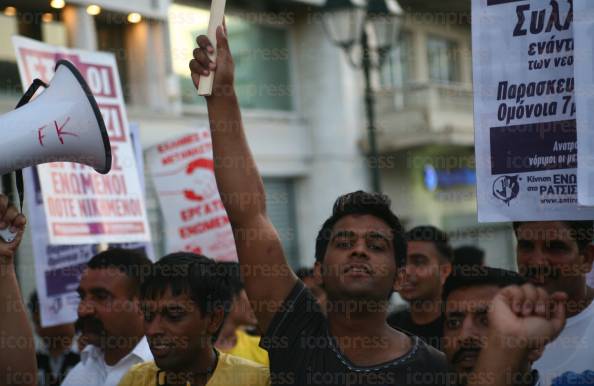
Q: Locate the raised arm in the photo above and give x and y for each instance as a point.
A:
(268, 278)
(17, 360)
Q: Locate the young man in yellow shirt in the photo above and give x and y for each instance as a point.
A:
(184, 302)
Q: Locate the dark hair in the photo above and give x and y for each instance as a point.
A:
(581, 231)
(196, 275)
(469, 255)
(33, 303)
(435, 236)
(362, 203)
(304, 273)
(132, 262)
(231, 271)
(471, 276)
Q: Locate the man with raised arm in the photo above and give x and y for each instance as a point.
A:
(357, 253)
(17, 359)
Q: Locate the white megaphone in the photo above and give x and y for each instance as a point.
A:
(62, 124)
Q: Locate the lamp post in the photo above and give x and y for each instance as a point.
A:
(371, 26)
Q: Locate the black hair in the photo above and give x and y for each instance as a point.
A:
(195, 275)
(469, 255)
(581, 231)
(435, 236)
(304, 273)
(470, 276)
(33, 303)
(363, 203)
(132, 262)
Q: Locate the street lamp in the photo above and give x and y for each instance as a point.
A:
(371, 26)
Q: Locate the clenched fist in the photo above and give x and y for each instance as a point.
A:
(12, 219)
(527, 316)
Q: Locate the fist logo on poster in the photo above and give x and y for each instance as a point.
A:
(196, 169)
(56, 305)
(506, 188)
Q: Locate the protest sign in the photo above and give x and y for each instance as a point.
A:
(525, 111)
(182, 170)
(58, 267)
(82, 206)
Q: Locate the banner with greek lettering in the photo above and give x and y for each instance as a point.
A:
(525, 111)
(58, 267)
(182, 170)
(82, 206)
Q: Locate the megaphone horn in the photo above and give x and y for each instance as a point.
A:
(63, 124)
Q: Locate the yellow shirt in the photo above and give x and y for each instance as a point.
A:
(230, 371)
(248, 347)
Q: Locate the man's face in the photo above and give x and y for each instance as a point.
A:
(108, 312)
(359, 263)
(466, 325)
(548, 256)
(424, 273)
(177, 331)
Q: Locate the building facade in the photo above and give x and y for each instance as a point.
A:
(302, 104)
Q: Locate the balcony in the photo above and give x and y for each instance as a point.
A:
(424, 114)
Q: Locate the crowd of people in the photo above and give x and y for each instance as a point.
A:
(188, 320)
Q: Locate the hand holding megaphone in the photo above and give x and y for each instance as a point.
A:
(12, 226)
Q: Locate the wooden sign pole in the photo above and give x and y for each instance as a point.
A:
(217, 13)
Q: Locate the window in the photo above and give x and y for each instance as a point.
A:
(443, 60)
(261, 54)
(280, 204)
(111, 37)
(10, 82)
(397, 69)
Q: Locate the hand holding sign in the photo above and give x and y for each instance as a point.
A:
(12, 226)
(204, 82)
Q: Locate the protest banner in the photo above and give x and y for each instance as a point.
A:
(182, 170)
(525, 111)
(58, 267)
(82, 206)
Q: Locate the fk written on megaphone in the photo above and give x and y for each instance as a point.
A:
(62, 124)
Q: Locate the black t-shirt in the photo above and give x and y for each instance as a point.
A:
(431, 333)
(302, 352)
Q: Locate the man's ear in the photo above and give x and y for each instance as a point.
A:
(317, 274)
(445, 269)
(215, 320)
(588, 258)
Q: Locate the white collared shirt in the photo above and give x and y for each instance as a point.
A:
(93, 371)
